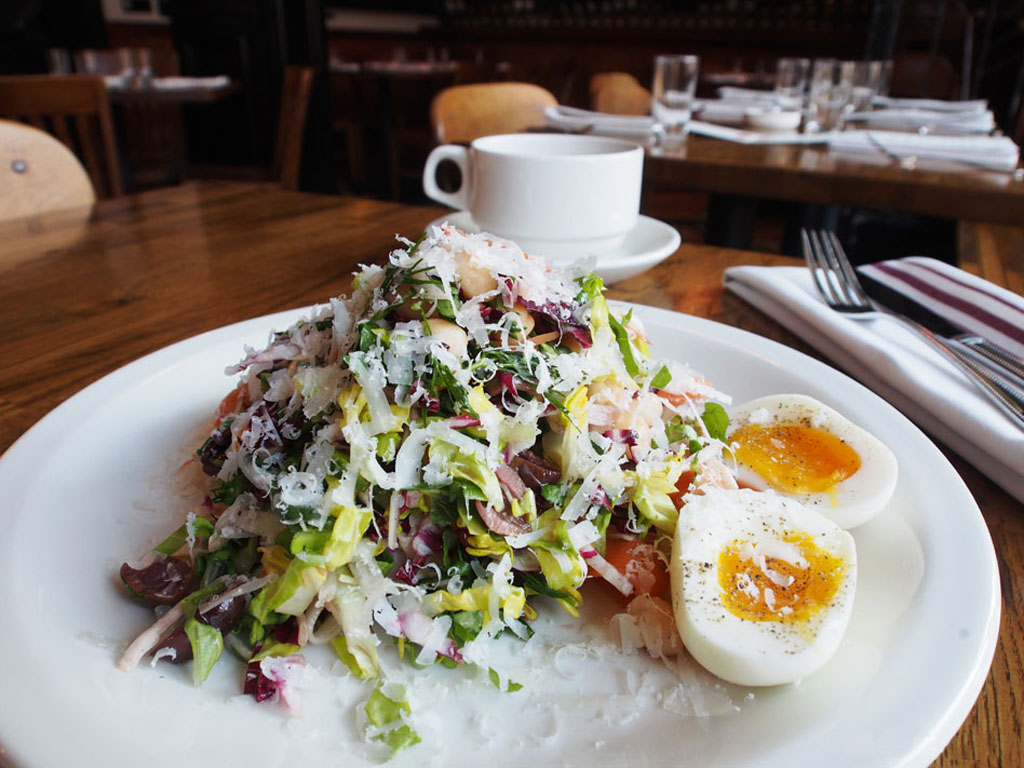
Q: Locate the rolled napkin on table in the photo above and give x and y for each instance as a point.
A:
(173, 83)
(936, 105)
(997, 152)
(750, 95)
(743, 136)
(900, 367)
(584, 120)
(934, 121)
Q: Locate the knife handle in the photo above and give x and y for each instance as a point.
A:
(995, 357)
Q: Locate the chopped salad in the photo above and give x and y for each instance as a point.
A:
(468, 435)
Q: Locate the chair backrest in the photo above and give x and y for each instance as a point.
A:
(76, 110)
(38, 174)
(291, 125)
(619, 93)
(465, 112)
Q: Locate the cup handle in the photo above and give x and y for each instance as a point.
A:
(459, 199)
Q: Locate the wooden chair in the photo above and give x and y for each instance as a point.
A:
(465, 112)
(75, 109)
(38, 174)
(291, 125)
(619, 93)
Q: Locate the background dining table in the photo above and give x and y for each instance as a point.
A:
(85, 292)
(738, 175)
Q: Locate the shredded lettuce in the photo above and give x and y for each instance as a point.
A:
(207, 645)
(387, 710)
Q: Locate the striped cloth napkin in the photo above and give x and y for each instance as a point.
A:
(900, 367)
(970, 303)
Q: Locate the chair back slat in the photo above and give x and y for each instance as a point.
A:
(291, 125)
(48, 101)
(62, 130)
(87, 145)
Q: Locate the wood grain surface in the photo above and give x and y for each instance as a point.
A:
(82, 294)
(815, 175)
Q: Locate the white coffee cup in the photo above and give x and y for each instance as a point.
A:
(555, 195)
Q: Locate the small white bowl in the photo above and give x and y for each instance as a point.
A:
(774, 119)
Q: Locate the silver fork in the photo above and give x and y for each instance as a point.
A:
(840, 287)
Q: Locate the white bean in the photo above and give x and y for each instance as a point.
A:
(451, 335)
(473, 278)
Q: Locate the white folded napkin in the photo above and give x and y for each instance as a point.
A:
(897, 365)
(175, 83)
(741, 136)
(734, 93)
(573, 119)
(937, 105)
(733, 110)
(949, 123)
(999, 152)
(724, 112)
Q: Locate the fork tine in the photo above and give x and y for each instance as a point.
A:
(849, 273)
(812, 256)
(846, 296)
(840, 297)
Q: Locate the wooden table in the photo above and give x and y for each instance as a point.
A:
(83, 295)
(814, 175)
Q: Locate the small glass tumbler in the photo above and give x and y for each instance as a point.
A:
(143, 66)
(672, 94)
(884, 77)
(791, 81)
(867, 78)
(831, 94)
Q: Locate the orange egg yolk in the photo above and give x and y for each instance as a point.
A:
(795, 458)
(758, 588)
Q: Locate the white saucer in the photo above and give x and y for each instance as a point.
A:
(650, 242)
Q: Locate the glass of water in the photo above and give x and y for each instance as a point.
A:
(672, 93)
(831, 94)
(791, 81)
(867, 79)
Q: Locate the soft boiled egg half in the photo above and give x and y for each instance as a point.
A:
(762, 586)
(803, 449)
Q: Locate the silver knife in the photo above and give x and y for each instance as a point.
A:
(982, 350)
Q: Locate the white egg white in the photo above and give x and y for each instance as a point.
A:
(850, 503)
(741, 650)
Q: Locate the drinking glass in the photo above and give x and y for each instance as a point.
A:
(867, 77)
(884, 77)
(791, 81)
(831, 94)
(143, 66)
(60, 61)
(675, 83)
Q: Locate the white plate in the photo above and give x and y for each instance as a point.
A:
(88, 486)
(650, 242)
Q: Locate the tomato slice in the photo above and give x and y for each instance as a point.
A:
(234, 401)
(640, 563)
(682, 487)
